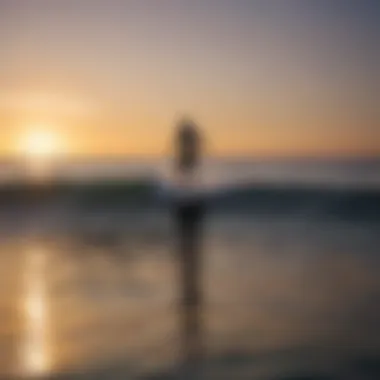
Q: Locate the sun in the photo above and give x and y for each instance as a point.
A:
(41, 148)
(40, 144)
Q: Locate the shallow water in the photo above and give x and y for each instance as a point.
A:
(282, 295)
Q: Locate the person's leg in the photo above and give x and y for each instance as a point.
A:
(189, 222)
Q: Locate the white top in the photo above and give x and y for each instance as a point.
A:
(183, 187)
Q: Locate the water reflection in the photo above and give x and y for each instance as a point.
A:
(35, 355)
(78, 307)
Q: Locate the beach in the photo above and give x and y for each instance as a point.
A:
(90, 289)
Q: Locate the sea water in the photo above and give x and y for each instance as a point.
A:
(89, 280)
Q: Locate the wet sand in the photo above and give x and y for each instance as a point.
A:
(282, 298)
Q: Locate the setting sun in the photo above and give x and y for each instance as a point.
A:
(40, 144)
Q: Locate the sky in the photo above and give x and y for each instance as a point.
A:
(261, 78)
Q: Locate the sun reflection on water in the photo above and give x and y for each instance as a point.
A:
(35, 358)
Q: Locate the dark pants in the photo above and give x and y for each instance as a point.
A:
(189, 220)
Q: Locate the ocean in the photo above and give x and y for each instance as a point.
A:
(89, 276)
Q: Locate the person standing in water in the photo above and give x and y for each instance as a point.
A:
(189, 215)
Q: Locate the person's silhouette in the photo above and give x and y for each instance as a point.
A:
(189, 213)
(188, 147)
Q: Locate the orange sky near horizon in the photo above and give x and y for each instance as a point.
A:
(261, 79)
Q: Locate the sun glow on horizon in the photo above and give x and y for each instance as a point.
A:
(40, 148)
(40, 143)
